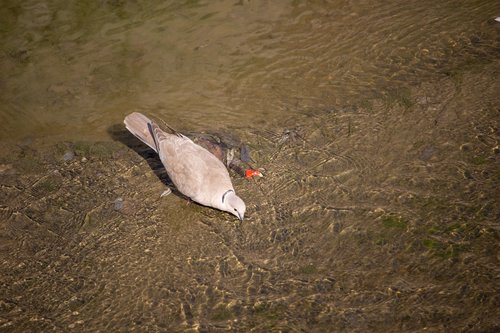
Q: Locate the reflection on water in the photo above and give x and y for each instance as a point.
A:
(377, 125)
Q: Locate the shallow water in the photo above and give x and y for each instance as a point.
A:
(377, 126)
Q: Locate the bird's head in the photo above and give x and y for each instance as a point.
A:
(233, 204)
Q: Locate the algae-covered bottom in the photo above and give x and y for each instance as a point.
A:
(377, 217)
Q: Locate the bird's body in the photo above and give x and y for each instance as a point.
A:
(195, 172)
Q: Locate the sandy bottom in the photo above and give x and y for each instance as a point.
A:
(378, 217)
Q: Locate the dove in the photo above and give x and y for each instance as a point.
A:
(195, 172)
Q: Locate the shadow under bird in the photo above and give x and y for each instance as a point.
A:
(195, 172)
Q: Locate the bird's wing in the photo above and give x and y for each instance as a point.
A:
(180, 160)
(195, 172)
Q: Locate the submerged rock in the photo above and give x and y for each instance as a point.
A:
(118, 204)
(68, 156)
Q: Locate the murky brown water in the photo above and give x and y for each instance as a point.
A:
(376, 122)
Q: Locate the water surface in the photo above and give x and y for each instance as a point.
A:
(72, 70)
(376, 123)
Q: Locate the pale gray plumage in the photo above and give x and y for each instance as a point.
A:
(196, 172)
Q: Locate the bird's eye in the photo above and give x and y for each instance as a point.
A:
(235, 210)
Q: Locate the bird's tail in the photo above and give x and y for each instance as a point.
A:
(137, 124)
(147, 130)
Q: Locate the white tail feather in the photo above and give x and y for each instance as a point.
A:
(137, 124)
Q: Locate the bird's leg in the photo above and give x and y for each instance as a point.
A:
(165, 193)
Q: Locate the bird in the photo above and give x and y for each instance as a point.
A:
(194, 171)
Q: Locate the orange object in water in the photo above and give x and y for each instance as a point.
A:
(249, 173)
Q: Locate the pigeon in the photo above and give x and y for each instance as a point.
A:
(195, 172)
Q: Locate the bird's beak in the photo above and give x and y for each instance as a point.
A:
(240, 217)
